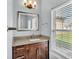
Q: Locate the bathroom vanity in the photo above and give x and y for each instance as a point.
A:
(30, 48)
(33, 46)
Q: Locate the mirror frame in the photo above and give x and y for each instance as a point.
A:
(26, 13)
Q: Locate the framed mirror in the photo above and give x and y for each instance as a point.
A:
(27, 21)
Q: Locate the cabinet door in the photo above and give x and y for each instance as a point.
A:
(27, 51)
(33, 52)
(42, 51)
(46, 50)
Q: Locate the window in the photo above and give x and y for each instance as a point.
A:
(62, 27)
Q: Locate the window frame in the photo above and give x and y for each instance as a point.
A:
(53, 21)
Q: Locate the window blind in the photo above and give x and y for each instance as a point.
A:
(64, 21)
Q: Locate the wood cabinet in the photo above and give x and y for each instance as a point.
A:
(31, 51)
(19, 52)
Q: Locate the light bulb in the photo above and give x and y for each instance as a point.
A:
(30, 2)
(34, 3)
(25, 1)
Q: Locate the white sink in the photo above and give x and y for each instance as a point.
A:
(34, 39)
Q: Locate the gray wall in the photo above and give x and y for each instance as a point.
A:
(46, 6)
(43, 9)
(10, 13)
(9, 44)
(12, 7)
(9, 24)
(18, 6)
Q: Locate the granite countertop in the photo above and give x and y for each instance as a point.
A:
(29, 40)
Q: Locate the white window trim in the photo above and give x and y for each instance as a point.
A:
(53, 42)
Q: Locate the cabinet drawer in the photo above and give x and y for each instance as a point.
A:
(19, 51)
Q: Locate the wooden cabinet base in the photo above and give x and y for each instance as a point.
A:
(31, 51)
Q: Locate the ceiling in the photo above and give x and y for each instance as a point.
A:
(54, 3)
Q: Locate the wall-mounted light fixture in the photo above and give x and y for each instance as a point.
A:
(31, 4)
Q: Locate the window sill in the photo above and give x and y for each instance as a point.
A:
(64, 52)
